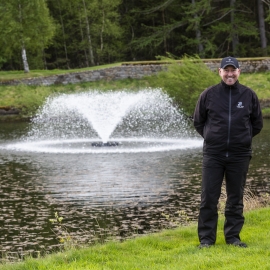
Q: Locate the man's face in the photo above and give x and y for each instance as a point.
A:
(229, 74)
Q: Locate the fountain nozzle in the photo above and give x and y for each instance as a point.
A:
(101, 144)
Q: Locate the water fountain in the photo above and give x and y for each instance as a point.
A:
(141, 121)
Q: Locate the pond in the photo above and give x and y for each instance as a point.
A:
(117, 194)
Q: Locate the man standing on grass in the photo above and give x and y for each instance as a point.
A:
(227, 116)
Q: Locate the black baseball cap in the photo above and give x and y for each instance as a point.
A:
(229, 61)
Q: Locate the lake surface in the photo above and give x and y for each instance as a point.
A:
(102, 194)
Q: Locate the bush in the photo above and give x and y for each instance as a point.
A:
(184, 81)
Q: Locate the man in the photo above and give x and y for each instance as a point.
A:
(227, 116)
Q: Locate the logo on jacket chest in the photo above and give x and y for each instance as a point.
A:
(240, 105)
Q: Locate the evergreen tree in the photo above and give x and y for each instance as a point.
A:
(262, 27)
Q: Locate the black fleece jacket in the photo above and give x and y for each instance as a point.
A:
(227, 117)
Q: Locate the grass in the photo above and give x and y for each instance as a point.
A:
(182, 83)
(266, 112)
(259, 82)
(170, 249)
(29, 98)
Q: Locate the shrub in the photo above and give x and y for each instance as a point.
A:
(184, 81)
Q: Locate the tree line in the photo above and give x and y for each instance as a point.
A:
(64, 34)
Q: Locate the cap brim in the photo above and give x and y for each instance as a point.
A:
(229, 65)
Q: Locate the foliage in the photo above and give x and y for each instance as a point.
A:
(185, 81)
(88, 32)
(266, 112)
(25, 24)
(259, 82)
(29, 98)
(224, 27)
(61, 232)
(74, 34)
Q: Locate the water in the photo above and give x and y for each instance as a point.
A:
(103, 191)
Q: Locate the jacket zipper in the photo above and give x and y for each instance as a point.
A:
(229, 121)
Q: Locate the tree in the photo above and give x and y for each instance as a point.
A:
(234, 35)
(158, 22)
(26, 26)
(92, 34)
(88, 34)
(195, 14)
(197, 30)
(262, 27)
(63, 32)
(207, 28)
(225, 29)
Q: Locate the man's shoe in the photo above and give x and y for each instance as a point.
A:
(205, 245)
(239, 244)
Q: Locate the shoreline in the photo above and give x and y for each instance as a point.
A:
(168, 249)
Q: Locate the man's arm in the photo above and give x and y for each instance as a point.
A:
(200, 115)
(256, 116)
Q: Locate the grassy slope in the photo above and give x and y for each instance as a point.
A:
(29, 98)
(171, 249)
(259, 82)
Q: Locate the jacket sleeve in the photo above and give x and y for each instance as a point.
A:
(200, 115)
(256, 116)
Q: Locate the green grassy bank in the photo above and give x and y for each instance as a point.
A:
(170, 249)
(182, 83)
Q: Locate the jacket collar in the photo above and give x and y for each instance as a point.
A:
(233, 86)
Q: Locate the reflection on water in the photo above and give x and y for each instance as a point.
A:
(123, 192)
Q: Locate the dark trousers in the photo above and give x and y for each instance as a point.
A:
(213, 171)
